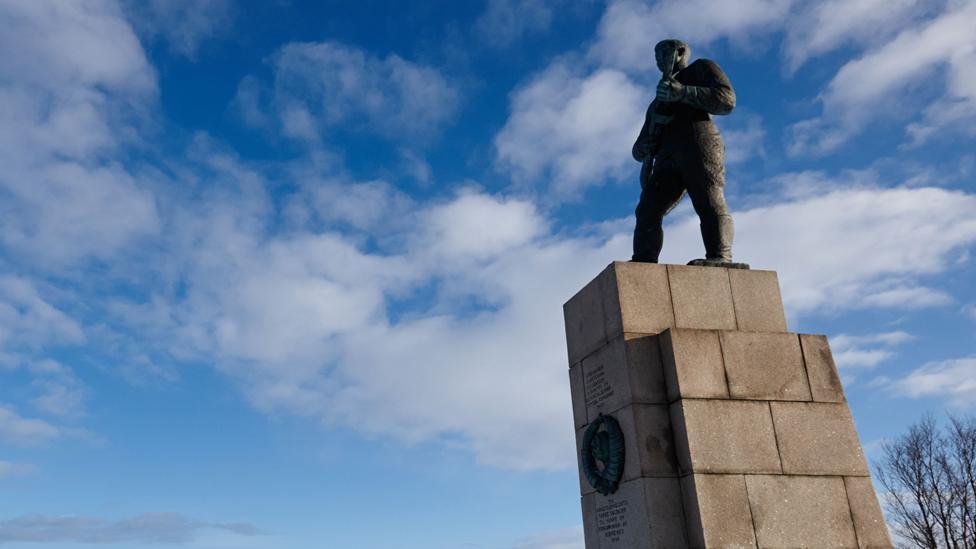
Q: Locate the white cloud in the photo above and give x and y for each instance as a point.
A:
(866, 351)
(915, 67)
(629, 29)
(817, 28)
(74, 87)
(8, 469)
(151, 528)
(871, 247)
(478, 226)
(952, 379)
(60, 392)
(505, 21)
(454, 333)
(355, 205)
(16, 429)
(573, 130)
(321, 86)
(744, 137)
(28, 320)
(184, 24)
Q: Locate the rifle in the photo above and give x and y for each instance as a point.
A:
(662, 115)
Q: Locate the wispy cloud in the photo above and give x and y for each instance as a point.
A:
(953, 379)
(866, 351)
(505, 21)
(939, 53)
(8, 469)
(321, 86)
(162, 528)
(16, 429)
(184, 24)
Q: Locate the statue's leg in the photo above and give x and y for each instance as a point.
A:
(660, 193)
(705, 178)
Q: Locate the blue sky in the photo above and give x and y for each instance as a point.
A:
(290, 274)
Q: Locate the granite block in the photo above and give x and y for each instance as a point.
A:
(578, 396)
(584, 317)
(642, 513)
(869, 523)
(655, 441)
(639, 299)
(824, 382)
(622, 518)
(648, 441)
(663, 497)
(693, 365)
(757, 301)
(767, 366)
(717, 511)
(724, 436)
(702, 297)
(645, 369)
(625, 371)
(800, 511)
(591, 537)
(817, 439)
(606, 382)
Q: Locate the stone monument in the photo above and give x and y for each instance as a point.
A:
(706, 423)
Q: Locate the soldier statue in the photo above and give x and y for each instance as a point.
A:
(681, 150)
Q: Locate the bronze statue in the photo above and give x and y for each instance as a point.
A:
(681, 150)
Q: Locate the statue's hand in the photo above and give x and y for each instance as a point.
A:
(640, 151)
(670, 90)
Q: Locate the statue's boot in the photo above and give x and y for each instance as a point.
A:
(717, 233)
(648, 242)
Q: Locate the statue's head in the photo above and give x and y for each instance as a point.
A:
(670, 50)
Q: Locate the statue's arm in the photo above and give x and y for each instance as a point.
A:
(642, 147)
(716, 95)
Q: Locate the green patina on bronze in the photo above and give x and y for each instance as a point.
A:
(603, 454)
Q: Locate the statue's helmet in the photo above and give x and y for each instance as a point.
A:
(672, 50)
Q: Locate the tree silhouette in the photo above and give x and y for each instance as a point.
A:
(929, 476)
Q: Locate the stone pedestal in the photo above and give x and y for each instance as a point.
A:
(736, 432)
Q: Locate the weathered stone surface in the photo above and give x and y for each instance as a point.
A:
(648, 441)
(817, 439)
(626, 370)
(590, 529)
(757, 301)
(800, 511)
(645, 369)
(642, 513)
(702, 298)
(869, 523)
(639, 299)
(724, 436)
(663, 497)
(622, 518)
(584, 318)
(824, 382)
(606, 381)
(693, 365)
(717, 511)
(766, 366)
(579, 398)
(655, 441)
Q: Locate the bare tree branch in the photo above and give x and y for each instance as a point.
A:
(930, 484)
